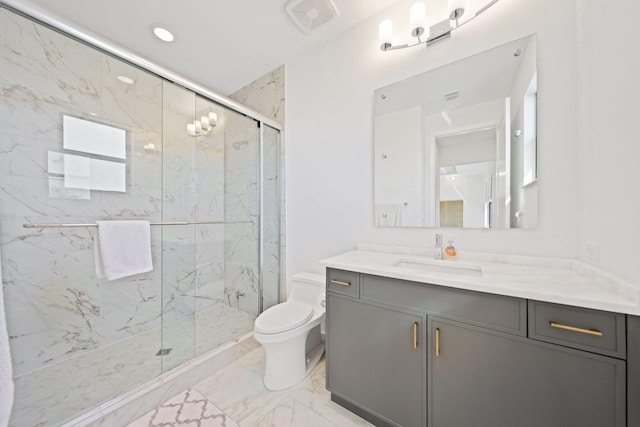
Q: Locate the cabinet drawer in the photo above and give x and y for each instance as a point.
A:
(343, 282)
(582, 328)
(497, 312)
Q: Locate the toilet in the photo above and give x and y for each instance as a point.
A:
(290, 332)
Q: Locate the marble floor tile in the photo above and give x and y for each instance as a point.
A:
(239, 391)
(188, 408)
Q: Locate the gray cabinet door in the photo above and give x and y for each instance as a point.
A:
(373, 360)
(483, 378)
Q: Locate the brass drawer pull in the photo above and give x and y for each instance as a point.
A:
(437, 342)
(415, 335)
(340, 282)
(574, 329)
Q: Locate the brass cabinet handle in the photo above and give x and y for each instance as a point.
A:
(340, 282)
(415, 334)
(437, 342)
(574, 329)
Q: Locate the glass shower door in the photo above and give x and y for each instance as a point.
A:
(211, 269)
(226, 209)
(270, 217)
(178, 241)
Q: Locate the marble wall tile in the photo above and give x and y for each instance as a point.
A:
(60, 308)
(178, 272)
(267, 96)
(145, 164)
(241, 201)
(63, 78)
(271, 218)
(209, 266)
(241, 274)
(25, 156)
(132, 106)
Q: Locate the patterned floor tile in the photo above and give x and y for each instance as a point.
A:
(187, 409)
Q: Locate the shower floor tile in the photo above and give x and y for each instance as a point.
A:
(238, 391)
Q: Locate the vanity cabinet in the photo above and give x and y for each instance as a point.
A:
(482, 359)
(378, 360)
(484, 378)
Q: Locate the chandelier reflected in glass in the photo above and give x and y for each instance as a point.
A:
(204, 126)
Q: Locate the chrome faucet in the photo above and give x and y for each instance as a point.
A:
(438, 247)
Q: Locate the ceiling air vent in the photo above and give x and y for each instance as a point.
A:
(451, 96)
(311, 14)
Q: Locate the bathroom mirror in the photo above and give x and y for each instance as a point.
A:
(456, 146)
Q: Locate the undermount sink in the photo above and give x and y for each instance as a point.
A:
(438, 266)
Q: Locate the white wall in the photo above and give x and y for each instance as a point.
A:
(609, 63)
(330, 133)
(399, 163)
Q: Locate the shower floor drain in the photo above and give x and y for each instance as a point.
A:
(163, 351)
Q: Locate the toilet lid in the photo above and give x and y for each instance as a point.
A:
(283, 317)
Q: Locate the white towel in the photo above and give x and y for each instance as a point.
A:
(122, 248)
(389, 214)
(6, 372)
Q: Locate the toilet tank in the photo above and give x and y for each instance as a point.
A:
(308, 288)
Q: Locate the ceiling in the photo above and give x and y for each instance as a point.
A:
(221, 44)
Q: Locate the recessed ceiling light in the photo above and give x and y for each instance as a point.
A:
(125, 79)
(163, 34)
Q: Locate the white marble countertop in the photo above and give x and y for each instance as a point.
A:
(556, 280)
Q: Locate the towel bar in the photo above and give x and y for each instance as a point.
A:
(152, 223)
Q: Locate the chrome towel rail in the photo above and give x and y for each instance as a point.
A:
(152, 223)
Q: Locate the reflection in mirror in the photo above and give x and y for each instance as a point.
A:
(94, 138)
(72, 176)
(456, 146)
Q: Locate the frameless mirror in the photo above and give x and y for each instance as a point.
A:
(456, 146)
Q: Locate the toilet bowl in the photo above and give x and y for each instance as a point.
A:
(290, 332)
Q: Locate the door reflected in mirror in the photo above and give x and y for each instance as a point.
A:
(456, 146)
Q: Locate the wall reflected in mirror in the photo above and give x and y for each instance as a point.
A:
(456, 146)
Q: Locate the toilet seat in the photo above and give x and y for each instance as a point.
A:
(283, 317)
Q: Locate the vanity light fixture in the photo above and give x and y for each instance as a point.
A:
(163, 34)
(204, 126)
(418, 18)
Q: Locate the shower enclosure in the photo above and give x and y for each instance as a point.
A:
(206, 174)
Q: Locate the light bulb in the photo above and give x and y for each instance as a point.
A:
(384, 34)
(418, 18)
(205, 122)
(213, 119)
(191, 129)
